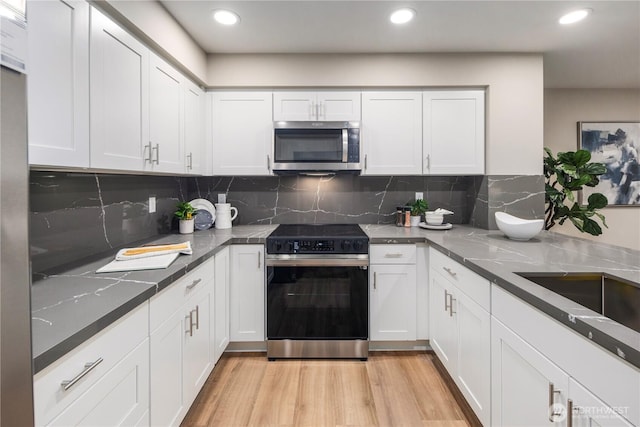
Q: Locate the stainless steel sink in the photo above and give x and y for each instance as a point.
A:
(612, 297)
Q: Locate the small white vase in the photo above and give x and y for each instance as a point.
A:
(186, 226)
(415, 220)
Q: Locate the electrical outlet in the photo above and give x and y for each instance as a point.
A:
(419, 195)
(222, 198)
(152, 204)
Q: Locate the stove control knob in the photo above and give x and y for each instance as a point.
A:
(277, 246)
(345, 245)
(357, 245)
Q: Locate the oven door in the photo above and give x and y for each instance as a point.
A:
(317, 297)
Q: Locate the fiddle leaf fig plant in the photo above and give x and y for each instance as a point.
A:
(564, 175)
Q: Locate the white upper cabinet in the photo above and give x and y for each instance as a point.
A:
(165, 148)
(453, 132)
(242, 131)
(392, 133)
(194, 128)
(310, 106)
(58, 83)
(119, 71)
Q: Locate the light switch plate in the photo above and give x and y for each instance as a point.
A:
(419, 195)
(152, 204)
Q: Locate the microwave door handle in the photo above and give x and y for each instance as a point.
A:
(345, 145)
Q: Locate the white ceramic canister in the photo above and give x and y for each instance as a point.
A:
(223, 215)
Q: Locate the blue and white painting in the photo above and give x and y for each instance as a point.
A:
(616, 145)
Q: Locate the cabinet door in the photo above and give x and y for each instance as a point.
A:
(338, 106)
(443, 332)
(166, 138)
(119, 71)
(168, 405)
(474, 354)
(294, 106)
(221, 301)
(247, 293)
(453, 132)
(525, 386)
(586, 410)
(392, 133)
(58, 83)
(392, 302)
(119, 398)
(197, 346)
(194, 127)
(242, 128)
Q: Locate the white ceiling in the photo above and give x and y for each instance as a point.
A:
(601, 52)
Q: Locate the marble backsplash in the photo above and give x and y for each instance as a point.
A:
(76, 216)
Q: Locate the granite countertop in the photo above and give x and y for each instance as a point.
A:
(69, 308)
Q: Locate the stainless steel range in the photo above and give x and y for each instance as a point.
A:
(318, 292)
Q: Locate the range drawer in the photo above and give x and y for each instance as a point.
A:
(475, 286)
(175, 295)
(111, 345)
(392, 254)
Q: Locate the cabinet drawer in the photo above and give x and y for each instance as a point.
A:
(392, 254)
(175, 295)
(475, 286)
(110, 345)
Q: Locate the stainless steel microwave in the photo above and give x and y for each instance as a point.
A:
(316, 147)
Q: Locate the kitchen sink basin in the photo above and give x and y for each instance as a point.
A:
(612, 297)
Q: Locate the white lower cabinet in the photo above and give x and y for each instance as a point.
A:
(460, 329)
(103, 382)
(247, 293)
(181, 357)
(392, 293)
(221, 304)
(527, 388)
(586, 410)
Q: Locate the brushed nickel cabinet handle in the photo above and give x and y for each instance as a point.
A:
(268, 163)
(553, 412)
(193, 284)
(448, 270)
(88, 367)
(149, 148)
(365, 162)
(569, 413)
(189, 319)
(197, 310)
(259, 260)
(393, 255)
(446, 299)
(157, 150)
(451, 300)
(375, 280)
(428, 161)
(190, 162)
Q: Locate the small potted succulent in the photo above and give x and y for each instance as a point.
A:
(418, 208)
(185, 213)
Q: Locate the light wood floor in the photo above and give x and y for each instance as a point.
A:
(390, 389)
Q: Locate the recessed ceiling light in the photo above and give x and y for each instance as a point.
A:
(402, 16)
(575, 16)
(226, 17)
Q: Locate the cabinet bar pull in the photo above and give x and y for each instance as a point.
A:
(259, 260)
(189, 319)
(394, 255)
(190, 163)
(88, 367)
(365, 162)
(428, 161)
(268, 163)
(569, 413)
(448, 270)
(157, 149)
(375, 279)
(446, 298)
(451, 300)
(193, 284)
(552, 411)
(150, 158)
(197, 317)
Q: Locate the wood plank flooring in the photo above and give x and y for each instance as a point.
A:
(390, 389)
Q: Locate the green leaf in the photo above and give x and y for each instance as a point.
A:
(594, 169)
(569, 170)
(591, 227)
(581, 157)
(597, 201)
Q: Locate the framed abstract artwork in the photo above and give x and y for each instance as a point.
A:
(617, 146)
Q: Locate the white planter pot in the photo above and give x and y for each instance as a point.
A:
(415, 220)
(186, 226)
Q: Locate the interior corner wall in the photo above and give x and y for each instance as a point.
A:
(563, 108)
(161, 29)
(514, 82)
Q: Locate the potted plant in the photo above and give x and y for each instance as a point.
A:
(185, 213)
(418, 208)
(564, 175)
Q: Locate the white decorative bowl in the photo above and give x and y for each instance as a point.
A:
(517, 228)
(433, 218)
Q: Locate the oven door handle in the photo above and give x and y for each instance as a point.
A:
(317, 261)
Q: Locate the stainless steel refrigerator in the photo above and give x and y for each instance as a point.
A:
(16, 380)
